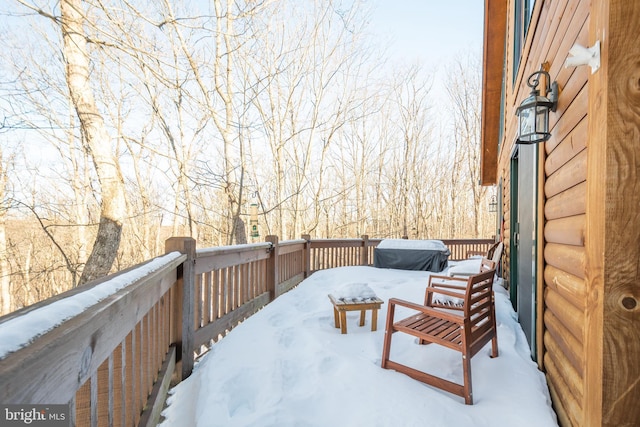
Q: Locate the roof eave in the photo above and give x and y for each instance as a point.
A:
(495, 20)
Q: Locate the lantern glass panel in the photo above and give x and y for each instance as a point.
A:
(542, 119)
(527, 123)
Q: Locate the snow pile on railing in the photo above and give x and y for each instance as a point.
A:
(19, 331)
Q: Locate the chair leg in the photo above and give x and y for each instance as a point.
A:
(466, 372)
(388, 332)
(494, 345)
(386, 347)
(494, 339)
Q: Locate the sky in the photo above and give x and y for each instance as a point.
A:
(288, 366)
(432, 31)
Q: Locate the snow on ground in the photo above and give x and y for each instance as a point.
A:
(288, 365)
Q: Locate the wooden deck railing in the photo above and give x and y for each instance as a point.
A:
(114, 362)
(460, 247)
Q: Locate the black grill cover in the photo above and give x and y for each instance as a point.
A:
(411, 259)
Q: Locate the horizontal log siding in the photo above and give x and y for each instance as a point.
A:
(568, 231)
(570, 287)
(565, 167)
(555, 27)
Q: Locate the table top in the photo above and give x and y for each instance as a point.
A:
(355, 301)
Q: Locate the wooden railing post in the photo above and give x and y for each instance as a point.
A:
(184, 323)
(364, 255)
(307, 255)
(272, 267)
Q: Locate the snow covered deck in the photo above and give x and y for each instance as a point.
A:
(288, 365)
(130, 333)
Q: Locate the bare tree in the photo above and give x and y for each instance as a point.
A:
(5, 271)
(97, 140)
(188, 111)
(463, 89)
(412, 95)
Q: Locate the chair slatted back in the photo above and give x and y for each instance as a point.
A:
(478, 306)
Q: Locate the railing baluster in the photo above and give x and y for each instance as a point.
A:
(93, 387)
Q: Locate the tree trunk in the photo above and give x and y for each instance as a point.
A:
(96, 141)
(5, 282)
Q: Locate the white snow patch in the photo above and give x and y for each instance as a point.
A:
(354, 291)
(19, 331)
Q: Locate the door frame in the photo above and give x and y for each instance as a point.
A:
(518, 257)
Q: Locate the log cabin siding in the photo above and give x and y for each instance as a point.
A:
(588, 337)
(613, 227)
(565, 169)
(555, 27)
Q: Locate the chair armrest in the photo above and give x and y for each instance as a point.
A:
(427, 310)
(447, 286)
(448, 282)
(446, 292)
(447, 279)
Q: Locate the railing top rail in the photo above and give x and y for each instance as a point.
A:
(292, 242)
(124, 275)
(221, 250)
(348, 239)
(462, 241)
(342, 243)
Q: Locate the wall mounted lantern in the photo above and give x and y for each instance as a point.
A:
(493, 204)
(533, 112)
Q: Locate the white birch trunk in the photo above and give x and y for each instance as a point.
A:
(97, 142)
(5, 282)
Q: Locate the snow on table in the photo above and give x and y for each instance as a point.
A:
(354, 291)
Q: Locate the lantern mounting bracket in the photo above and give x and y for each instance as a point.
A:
(551, 91)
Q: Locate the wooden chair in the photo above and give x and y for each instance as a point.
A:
(465, 328)
(485, 265)
(494, 253)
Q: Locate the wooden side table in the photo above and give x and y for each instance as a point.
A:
(342, 305)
